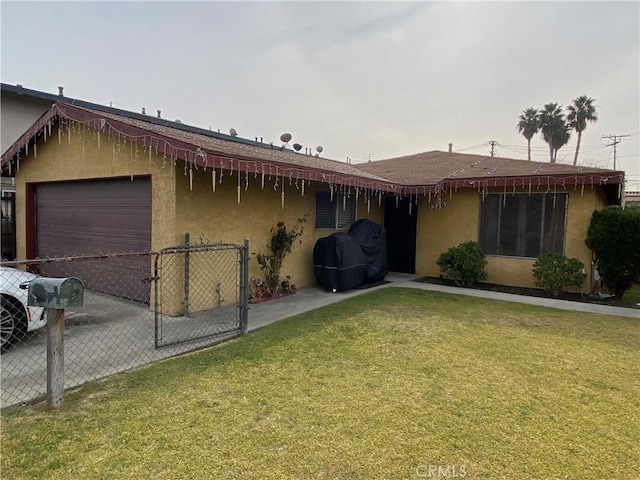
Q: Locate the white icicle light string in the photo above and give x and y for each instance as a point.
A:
(147, 140)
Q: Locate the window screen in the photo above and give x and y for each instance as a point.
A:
(337, 213)
(522, 225)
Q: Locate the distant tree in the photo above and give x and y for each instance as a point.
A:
(553, 128)
(528, 126)
(614, 236)
(580, 112)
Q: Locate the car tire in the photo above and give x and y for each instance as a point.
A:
(13, 325)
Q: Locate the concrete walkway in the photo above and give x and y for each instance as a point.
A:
(262, 314)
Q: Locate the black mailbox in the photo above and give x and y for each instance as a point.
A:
(57, 293)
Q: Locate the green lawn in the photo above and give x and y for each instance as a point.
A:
(395, 383)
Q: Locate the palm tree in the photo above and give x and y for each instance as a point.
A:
(560, 138)
(582, 111)
(528, 126)
(553, 128)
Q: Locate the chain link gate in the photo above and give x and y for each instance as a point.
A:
(126, 316)
(200, 292)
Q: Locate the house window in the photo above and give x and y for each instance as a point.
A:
(337, 213)
(522, 225)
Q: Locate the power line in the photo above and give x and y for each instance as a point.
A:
(470, 148)
(540, 153)
(616, 140)
(493, 144)
(546, 149)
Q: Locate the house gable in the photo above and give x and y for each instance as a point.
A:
(223, 201)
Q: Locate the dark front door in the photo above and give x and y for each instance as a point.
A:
(401, 234)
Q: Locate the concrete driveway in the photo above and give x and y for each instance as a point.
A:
(105, 336)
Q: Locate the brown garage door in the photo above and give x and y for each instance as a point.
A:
(97, 217)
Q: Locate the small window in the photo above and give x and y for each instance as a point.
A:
(337, 213)
(522, 225)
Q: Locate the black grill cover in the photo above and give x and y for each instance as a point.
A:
(340, 263)
(344, 261)
(373, 241)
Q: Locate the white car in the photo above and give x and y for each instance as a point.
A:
(16, 317)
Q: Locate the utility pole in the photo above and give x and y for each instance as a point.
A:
(493, 144)
(616, 140)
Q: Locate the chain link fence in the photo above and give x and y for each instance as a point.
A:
(137, 308)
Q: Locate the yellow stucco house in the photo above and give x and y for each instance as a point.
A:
(96, 180)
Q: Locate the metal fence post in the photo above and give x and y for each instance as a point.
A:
(156, 302)
(244, 320)
(185, 305)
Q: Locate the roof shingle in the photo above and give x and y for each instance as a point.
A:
(206, 150)
(431, 169)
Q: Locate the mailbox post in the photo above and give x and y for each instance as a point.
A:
(55, 294)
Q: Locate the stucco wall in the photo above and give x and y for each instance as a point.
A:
(177, 207)
(440, 229)
(218, 216)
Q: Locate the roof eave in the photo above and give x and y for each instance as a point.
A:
(612, 181)
(188, 152)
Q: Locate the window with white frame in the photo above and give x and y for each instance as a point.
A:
(335, 213)
(522, 225)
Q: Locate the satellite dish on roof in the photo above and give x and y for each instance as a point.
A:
(177, 120)
(233, 132)
(285, 138)
(319, 149)
(297, 147)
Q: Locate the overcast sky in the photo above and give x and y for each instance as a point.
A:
(362, 79)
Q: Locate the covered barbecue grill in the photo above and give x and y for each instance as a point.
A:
(343, 261)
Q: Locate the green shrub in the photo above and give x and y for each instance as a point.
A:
(282, 240)
(464, 263)
(554, 272)
(614, 238)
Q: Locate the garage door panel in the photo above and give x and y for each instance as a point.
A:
(97, 217)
